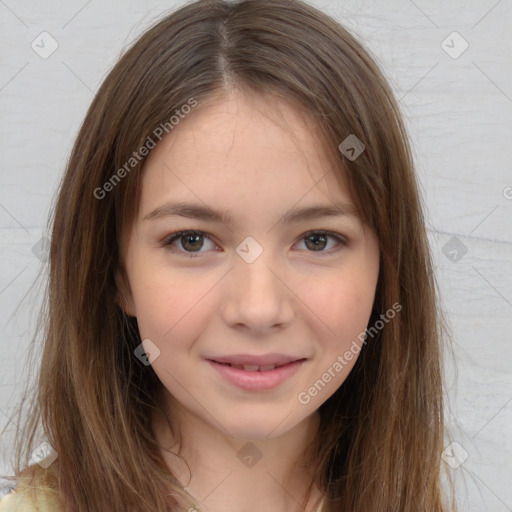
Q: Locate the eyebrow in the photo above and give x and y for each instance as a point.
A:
(205, 213)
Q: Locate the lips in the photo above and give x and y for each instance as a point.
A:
(256, 377)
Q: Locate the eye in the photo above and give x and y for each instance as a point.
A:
(317, 241)
(191, 242)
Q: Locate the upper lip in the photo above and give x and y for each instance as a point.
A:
(266, 359)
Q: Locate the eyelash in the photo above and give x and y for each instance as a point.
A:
(167, 242)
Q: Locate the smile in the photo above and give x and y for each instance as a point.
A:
(253, 377)
(253, 367)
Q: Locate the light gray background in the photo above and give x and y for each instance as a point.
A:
(459, 113)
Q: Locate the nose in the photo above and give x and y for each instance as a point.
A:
(258, 299)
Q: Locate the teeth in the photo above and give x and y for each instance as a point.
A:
(254, 367)
(251, 367)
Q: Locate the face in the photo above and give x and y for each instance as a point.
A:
(233, 266)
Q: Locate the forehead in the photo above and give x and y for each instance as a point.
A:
(245, 153)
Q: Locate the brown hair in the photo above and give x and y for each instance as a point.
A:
(381, 433)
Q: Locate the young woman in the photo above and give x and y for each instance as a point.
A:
(242, 311)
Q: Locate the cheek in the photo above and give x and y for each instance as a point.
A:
(344, 305)
(171, 306)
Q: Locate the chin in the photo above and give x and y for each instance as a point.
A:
(258, 428)
(255, 432)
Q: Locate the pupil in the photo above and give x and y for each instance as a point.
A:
(317, 238)
(191, 239)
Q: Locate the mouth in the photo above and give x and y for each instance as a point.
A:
(255, 367)
(256, 377)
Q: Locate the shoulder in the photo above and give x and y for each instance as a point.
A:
(26, 499)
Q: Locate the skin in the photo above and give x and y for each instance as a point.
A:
(257, 158)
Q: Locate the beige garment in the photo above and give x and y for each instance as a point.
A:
(21, 501)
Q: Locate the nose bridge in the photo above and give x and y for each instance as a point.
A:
(257, 298)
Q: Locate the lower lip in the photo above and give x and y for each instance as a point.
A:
(257, 381)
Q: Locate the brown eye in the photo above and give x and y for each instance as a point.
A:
(192, 241)
(317, 241)
(187, 242)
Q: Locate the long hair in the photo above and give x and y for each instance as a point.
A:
(380, 438)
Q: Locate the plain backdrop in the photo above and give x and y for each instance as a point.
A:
(450, 67)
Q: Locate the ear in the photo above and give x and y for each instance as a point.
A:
(124, 297)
